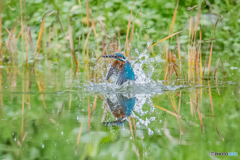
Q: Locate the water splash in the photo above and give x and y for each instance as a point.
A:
(137, 112)
(143, 83)
(128, 87)
(137, 65)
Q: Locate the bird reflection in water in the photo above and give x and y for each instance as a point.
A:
(121, 109)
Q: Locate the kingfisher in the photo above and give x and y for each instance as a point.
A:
(121, 67)
(121, 109)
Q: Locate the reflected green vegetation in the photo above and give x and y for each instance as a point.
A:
(57, 104)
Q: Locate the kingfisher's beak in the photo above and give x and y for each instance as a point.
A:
(109, 56)
(115, 57)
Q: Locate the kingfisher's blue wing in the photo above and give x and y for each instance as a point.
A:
(111, 105)
(127, 104)
(111, 71)
(126, 74)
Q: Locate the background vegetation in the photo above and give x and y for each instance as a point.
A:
(152, 22)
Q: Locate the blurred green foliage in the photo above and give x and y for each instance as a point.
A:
(153, 22)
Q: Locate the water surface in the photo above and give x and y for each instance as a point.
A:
(56, 115)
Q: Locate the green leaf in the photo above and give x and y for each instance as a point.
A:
(109, 4)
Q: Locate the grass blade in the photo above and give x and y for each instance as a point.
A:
(128, 28)
(94, 103)
(198, 17)
(38, 45)
(204, 67)
(78, 139)
(174, 114)
(179, 55)
(0, 23)
(42, 96)
(210, 56)
(89, 110)
(1, 94)
(71, 43)
(26, 42)
(199, 53)
(174, 18)
(217, 66)
(166, 38)
(130, 126)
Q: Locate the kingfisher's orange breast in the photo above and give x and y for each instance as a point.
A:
(118, 65)
(118, 113)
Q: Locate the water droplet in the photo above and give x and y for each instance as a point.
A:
(149, 43)
(150, 132)
(152, 118)
(136, 50)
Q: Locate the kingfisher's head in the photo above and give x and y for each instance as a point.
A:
(118, 56)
